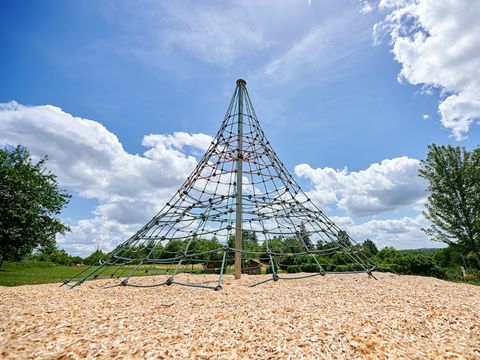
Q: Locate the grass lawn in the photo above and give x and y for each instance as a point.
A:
(25, 273)
(30, 273)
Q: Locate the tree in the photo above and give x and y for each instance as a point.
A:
(30, 199)
(370, 247)
(327, 248)
(60, 256)
(95, 258)
(173, 248)
(275, 245)
(388, 255)
(302, 235)
(343, 238)
(249, 240)
(453, 207)
(293, 245)
(205, 249)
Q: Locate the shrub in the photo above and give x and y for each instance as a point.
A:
(419, 264)
(395, 268)
(323, 260)
(95, 257)
(342, 268)
(388, 255)
(340, 258)
(61, 257)
(293, 269)
(302, 259)
(473, 274)
(286, 261)
(329, 267)
(310, 268)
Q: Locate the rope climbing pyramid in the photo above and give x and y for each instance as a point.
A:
(240, 206)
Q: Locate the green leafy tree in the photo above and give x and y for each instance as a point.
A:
(388, 255)
(95, 258)
(327, 249)
(453, 207)
(60, 256)
(205, 248)
(249, 240)
(30, 200)
(173, 248)
(302, 235)
(343, 238)
(292, 245)
(370, 248)
(275, 245)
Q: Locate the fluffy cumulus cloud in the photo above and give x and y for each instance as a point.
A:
(99, 231)
(90, 160)
(386, 186)
(438, 46)
(402, 233)
(130, 188)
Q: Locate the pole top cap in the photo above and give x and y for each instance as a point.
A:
(241, 82)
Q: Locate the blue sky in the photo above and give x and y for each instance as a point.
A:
(350, 93)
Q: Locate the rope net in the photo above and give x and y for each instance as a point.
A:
(284, 235)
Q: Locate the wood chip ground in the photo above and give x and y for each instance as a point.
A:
(336, 316)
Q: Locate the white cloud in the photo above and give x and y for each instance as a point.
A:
(367, 8)
(326, 48)
(437, 44)
(387, 186)
(403, 233)
(263, 39)
(132, 188)
(91, 161)
(388, 4)
(169, 33)
(215, 35)
(100, 232)
(174, 144)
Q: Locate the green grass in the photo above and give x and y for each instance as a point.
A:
(28, 273)
(471, 282)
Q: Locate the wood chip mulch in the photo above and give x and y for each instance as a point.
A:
(331, 317)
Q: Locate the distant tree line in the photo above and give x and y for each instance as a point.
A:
(443, 263)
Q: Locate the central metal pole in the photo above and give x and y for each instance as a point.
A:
(238, 220)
